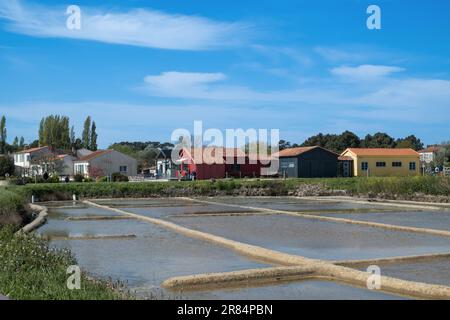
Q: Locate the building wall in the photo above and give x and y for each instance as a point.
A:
(427, 157)
(387, 171)
(288, 167)
(316, 163)
(111, 162)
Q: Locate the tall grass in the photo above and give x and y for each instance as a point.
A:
(30, 269)
(12, 206)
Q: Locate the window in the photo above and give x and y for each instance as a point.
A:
(381, 164)
(80, 169)
(396, 164)
(28, 158)
(123, 169)
(412, 166)
(364, 166)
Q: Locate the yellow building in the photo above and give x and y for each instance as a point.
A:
(377, 162)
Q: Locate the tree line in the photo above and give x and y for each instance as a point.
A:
(54, 131)
(339, 142)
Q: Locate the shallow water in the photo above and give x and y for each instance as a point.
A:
(301, 290)
(433, 271)
(301, 205)
(165, 212)
(145, 261)
(157, 254)
(317, 239)
(434, 220)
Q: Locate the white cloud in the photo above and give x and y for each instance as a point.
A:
(412, 99)
(365, 72)
(144, 28)
(195, 85)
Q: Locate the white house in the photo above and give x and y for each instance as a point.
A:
(428, 155)
(25, 161)
(104, 163)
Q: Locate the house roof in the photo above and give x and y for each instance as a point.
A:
(32, 150)
(429, 149)
(388, 152)
(210, 154)
(345, 158)
(293, 152)
(93, 155)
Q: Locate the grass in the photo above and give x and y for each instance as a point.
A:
(30, 269)
(439, 186)
(12, 207)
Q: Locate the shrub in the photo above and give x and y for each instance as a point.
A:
(6, 166)
(118, 177)
(78, 178)
(30, 269)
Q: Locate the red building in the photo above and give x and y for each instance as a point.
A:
(217, 162)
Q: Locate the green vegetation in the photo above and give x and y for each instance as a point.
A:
(12, 206)
(29, 269)
(438, 186)
(347, 139)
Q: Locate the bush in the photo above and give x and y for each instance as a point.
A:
(78, 178)
(6, 166)
(118, 177)
(32, 270)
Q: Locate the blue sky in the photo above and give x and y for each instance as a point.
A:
(143, 68)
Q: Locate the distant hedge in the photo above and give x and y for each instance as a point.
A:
(374, 185)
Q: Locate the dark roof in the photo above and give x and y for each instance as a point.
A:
(93, 155)
(293, 152)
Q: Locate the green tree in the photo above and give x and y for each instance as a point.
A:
(6, 166)
(3, 135)
(54, 132)
(409, 142)
(16, 143)
(21, 143)
(86, 136)
(378, 140)
(94, 136)
(348, 139)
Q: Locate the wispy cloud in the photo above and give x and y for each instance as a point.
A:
(365, 72)
(391, 97)
(139, 27)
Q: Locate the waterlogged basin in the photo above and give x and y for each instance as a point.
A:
(189, 208)
(317, 239)
(433, 220)
(301, 205)
(145, 261)
(432, 271)
(77, 209)
(302, 290)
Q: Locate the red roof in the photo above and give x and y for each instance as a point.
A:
(93, 155)
(381, 152)
(32, 150)
(429, 149)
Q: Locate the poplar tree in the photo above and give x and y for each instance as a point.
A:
(86, 136)
(3, 134)
(94, 136)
